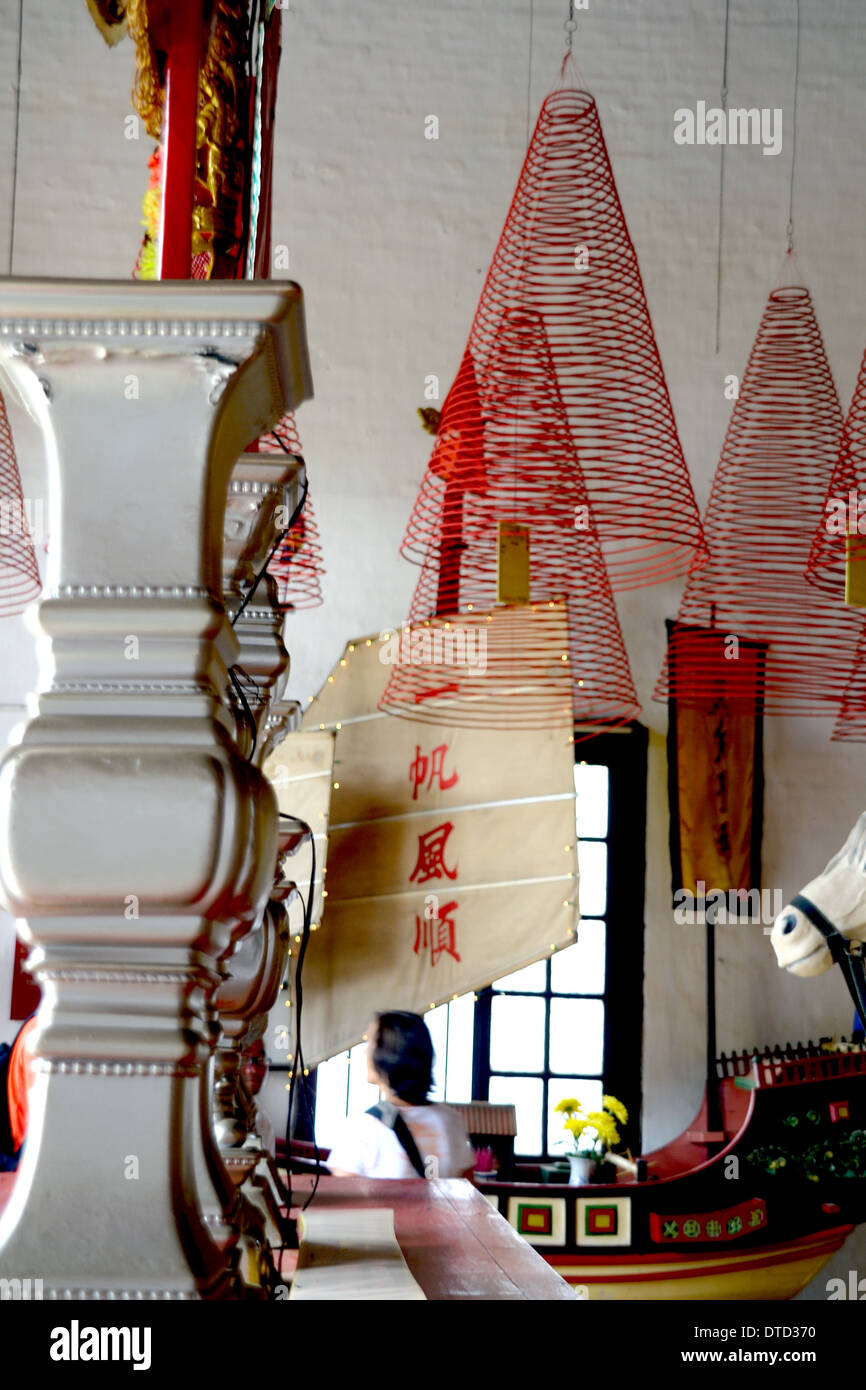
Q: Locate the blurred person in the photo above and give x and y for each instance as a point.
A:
(405, 1135)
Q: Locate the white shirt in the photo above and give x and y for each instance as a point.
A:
(369, 1148)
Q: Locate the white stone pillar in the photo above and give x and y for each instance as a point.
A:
(133, 835)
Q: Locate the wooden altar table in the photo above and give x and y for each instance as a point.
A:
(454, 1243)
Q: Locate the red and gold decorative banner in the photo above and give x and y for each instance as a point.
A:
(715, 765)
(729, 1224)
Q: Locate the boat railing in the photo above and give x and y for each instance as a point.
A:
(795, 1062)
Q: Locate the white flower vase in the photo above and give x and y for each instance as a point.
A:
(581, 1169)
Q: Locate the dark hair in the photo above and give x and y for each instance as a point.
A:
(403, 1055)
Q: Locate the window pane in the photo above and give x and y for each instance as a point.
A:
(532, 978)
(579, 969)
(437, 1026)
(589, 1094)
(461, 1031)
(577, 1036)
(361, 1094)
(517, 1034)
(526, 1093)
(592, 889)
(590, 809)
(332, 1078)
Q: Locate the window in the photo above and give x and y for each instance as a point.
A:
(566, 1026)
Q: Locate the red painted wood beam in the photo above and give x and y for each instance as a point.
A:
(179, 139)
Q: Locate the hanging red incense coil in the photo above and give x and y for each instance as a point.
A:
(844, 516)
(844, 511)
(504, 455)
(19, 570)
(768, 493)
(296, 565)
(566, 254)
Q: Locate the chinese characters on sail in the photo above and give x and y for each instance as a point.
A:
(436, 930)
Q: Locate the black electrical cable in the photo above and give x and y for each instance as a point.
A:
(277, 543)
(247, 712)
(282, 444)
(297, 1060)
(249, 717)
(297, 1071)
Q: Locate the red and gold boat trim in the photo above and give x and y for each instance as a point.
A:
(771, 1272)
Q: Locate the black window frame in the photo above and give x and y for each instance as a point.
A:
(625, 755)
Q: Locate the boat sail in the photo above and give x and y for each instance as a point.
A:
(451, 854)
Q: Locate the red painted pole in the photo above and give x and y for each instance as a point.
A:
(179, 139)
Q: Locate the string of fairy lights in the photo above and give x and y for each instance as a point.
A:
(343, 669)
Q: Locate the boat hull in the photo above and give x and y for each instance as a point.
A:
(750, 1207)
(774, 1273)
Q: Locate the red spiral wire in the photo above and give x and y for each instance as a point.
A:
(768, 494)
(829, 546)
(826, 563)
(19, 569)
(504, 453)
(565, 253)
(296, 565)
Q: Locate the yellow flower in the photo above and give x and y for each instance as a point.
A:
(569, 1106)
(604, 1127)
(616, 1108)
(576, 1124)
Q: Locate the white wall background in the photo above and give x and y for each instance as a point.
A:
(390, 235)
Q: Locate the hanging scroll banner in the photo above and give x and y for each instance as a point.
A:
(451, 856)
(715, 763)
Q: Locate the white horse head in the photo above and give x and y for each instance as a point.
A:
(839, 894)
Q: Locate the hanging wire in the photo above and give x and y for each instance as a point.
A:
(790, 227)
(529, 74)
(13, 198)
(569, 26)
(724, 100)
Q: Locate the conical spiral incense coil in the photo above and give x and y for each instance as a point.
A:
(19, 570)
(566, 254)
(297, 563)
(504, 457)
(768, 493)
(850, 725)
(844, 511)
(846, 507)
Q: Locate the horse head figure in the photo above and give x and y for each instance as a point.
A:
(824, 922)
